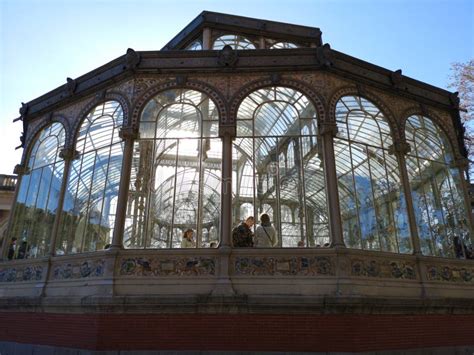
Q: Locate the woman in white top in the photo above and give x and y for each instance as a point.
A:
(265, 235)
(188, 241)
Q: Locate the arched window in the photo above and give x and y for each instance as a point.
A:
(283, 45)
(38, 194)
(235, 41)
(176, 172)
(269, 145)
(372, 203)
(90, 199)
(194, 46)
(436, 190)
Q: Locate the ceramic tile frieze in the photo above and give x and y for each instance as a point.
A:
(450, 273)
(284, 266)
(173, 266)
(85, 269)
(22, 273)
(383, 269)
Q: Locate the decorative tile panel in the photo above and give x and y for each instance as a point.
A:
(194, 266)
(383, 269)
(85, 269)
(450, 273)
(270, 266)
(22, 273)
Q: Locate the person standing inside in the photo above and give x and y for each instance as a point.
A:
(188, 241)
(242, 236)
(265, 235)
(12, 248)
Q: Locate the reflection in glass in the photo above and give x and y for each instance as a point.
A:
(277, 167)
(372, 203)
(235, 41)
(38, 194)
(436, 190)
(90, 200)
(176, 172)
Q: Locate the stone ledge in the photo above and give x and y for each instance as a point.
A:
(237, 305)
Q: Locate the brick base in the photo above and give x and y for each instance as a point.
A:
(238, 332)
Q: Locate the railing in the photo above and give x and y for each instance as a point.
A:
(8, 182)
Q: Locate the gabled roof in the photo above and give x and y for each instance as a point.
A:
(244, 25)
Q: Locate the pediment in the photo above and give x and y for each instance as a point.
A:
(212, 30)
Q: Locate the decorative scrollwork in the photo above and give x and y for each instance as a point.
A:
(267, 266)
(449, 273)
(383, 269)
(18, 274)
(193, 266)
(86, 269)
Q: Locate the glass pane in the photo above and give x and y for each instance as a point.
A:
(175, 182)
(235, 41)
(373, 208)
(437, 195)
(90, 199)
(283, 45)
(276, 166)
(36, 206)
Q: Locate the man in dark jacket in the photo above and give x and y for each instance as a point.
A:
(242, 236)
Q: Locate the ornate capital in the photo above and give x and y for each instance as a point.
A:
(227, 57)
(402, 148)
(68, 154)
(324, 55)
(21, 170)
(461, 163)
(328, 128)
(128, 133)
(229, 131)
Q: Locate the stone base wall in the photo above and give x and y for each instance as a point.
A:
(239, 332)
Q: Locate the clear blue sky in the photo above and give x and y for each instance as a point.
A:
(44, 41)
